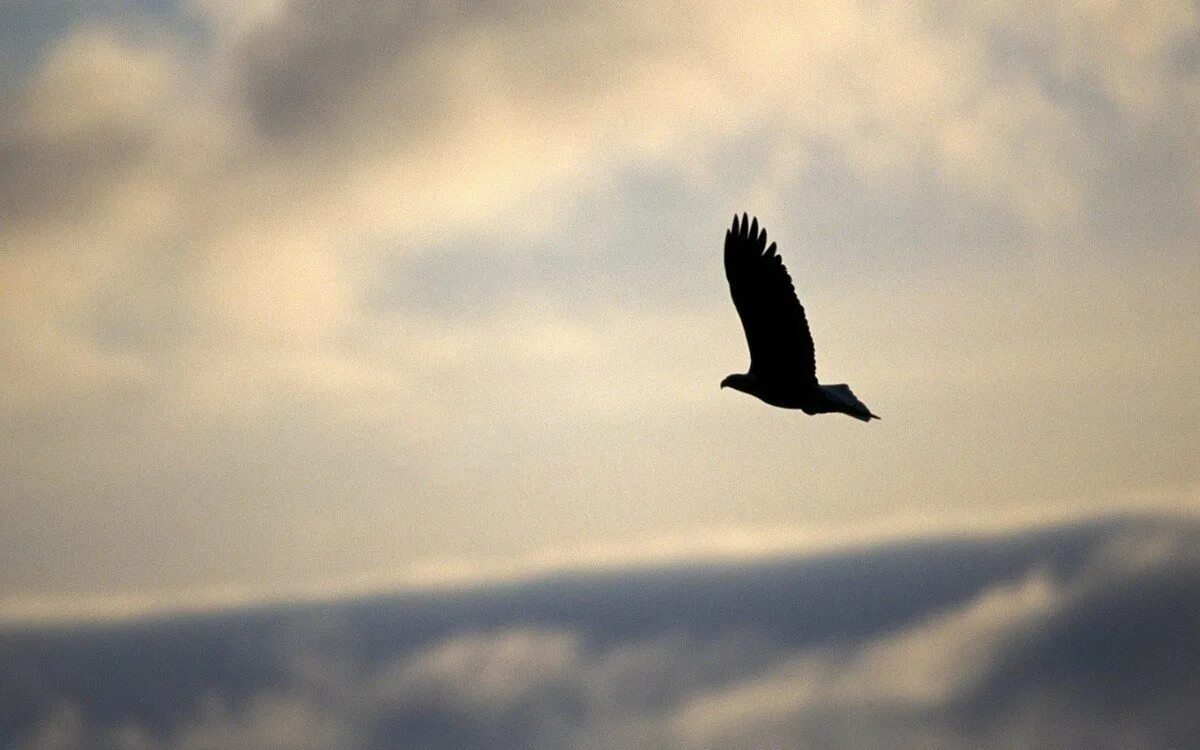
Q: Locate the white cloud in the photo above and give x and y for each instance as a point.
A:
(914, 672)
(269, 722)
(489, 673)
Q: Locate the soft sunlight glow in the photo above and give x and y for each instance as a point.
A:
(293, 291)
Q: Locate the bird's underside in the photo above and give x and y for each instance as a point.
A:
(783, 369)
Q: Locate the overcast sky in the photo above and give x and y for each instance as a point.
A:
(315, 295)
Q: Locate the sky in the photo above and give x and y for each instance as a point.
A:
(313, 298)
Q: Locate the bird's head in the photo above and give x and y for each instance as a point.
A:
(739, 382)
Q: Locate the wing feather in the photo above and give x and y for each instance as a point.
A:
(777, 332)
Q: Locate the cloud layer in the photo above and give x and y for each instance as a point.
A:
(1030, 639)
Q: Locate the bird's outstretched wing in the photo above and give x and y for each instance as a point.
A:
(772, 316)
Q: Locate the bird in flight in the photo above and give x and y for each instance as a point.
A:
(783, 367)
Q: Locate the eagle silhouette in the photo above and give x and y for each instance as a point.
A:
(783, 366)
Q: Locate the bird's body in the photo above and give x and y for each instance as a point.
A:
(783, 368)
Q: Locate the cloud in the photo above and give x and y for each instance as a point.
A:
(716, 546)
(1057, 625)
(895, 686)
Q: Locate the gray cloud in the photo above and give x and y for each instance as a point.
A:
(320, 70)
(41, 178)
(1055, 628)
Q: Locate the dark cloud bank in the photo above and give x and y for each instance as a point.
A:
(1079, 636)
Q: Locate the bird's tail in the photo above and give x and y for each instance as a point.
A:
(847, 402)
